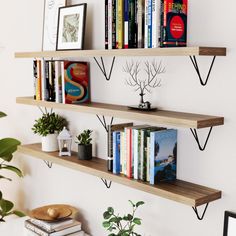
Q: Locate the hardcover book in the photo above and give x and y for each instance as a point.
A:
(116, 152)
(163, 155)
(106, 24)
(34, 77)
(174, 23)
(76, 82)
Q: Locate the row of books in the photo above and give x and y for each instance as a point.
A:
(67, 226)
(143, 152)
(145, 23)
(61, 81)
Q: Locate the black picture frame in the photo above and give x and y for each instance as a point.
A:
(69, 43)
(227, 216)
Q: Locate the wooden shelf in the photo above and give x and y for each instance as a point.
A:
(179, 191)
(179, 51)
(161, 117)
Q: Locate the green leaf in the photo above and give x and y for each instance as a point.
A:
(7, 147)
(139, 203)
(2, 114)
(6, 206)
(106, 215)
(110, 210)
(137, 221)
(106, 224)
(130, 217)
(2, 177)
(12, 168)
(18, 213)
(133, 205)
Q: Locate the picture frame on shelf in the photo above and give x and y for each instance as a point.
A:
(50, 20)
(71, 27)
(229, 224)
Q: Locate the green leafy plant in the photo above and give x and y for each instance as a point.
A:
(85, 137)
(7, 147)
(49, 123)
(122, 225)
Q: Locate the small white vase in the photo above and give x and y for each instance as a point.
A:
(49, 143)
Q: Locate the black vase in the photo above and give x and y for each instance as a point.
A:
(84, 152)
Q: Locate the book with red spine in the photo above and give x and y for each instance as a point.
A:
(129, 152)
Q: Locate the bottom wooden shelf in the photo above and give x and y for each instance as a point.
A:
(179, 191)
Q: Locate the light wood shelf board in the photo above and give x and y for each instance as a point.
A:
(178, 51)
(161, 117)
(179, 191)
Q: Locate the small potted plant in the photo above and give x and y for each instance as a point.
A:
(84, 145)
(48, 126)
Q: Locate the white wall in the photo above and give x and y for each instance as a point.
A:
(211, 24)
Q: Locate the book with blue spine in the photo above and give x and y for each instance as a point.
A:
(126, 23)
(116, 153)
(163, 156)
(149, 23)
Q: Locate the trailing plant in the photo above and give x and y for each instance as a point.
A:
(122, 225)
(49, 123)
(84, 138)
(7, 147)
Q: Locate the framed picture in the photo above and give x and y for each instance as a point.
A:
(71, 27)
(229, 224)
(51, 8)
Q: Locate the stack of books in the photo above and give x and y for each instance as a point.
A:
(145, 23)
(143, 152)
(67, 226)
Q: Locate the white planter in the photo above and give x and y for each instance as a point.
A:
(49, 143)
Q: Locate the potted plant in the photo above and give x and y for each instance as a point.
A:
(84, 145)
(122, 225)
(48, 126)
(7, 147)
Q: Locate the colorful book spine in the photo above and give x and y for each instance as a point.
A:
(116, 152)
(174, 23)
(122, 153)
(34, 78)
(149, 23)
(58, 82)
(126, 23)
(114, 24)
(39, 81)
(146, 24)
(156, 9)
(45, 74)
(148, 159)
(128, 134)
(140, 23)
(52, 92)
(163, 156)
(106, 24)
(135, 153)
(109, 24)
(120, 25)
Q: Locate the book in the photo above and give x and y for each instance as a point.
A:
(146, 23)
(120, 24)
(106, 24)
(116, 152)
(51, 82)
(110, 14)
(52, 225)
(34, 78)
(126, 23)
(163, 155)
(114, 24)
(76, 82)
(123, 153)
(111, 129)
(132, 24)
(149, 23)
(72, 228)
(45, 80)
(140, 23)
(39, 81)
(174, 23)
(129, 152)
(58, 82)
(78, 233)
(156, 10)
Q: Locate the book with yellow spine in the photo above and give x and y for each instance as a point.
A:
(120, 24)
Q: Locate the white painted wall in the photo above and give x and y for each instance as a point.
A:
(211, 24)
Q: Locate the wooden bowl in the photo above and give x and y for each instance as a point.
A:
(43, 213)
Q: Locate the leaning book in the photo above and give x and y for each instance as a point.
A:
(163, 155)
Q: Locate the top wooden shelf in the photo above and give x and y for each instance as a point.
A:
(178, 51)
(161, 117)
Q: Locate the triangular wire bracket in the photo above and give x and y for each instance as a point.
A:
(108, 185)
(104, 123)
(48, 163)
(194, 61)
(195, 135)
(203, 214)
(103, 69)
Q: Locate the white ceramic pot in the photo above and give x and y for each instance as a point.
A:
(49, 143)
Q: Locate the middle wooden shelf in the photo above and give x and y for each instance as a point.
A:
(161, 117)
(180, 191)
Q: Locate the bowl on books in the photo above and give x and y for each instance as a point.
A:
(54, 212)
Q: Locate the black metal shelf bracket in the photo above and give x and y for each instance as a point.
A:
(195, 135)
(48, 163)
(194, 61)
(104, 123)
(103, 69)
(203, 214)
(108, 185)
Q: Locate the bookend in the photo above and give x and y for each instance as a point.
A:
(195, 135)
(103, 69)
(48, 163)
(194, 61)
(108, 185)
(203, 214)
